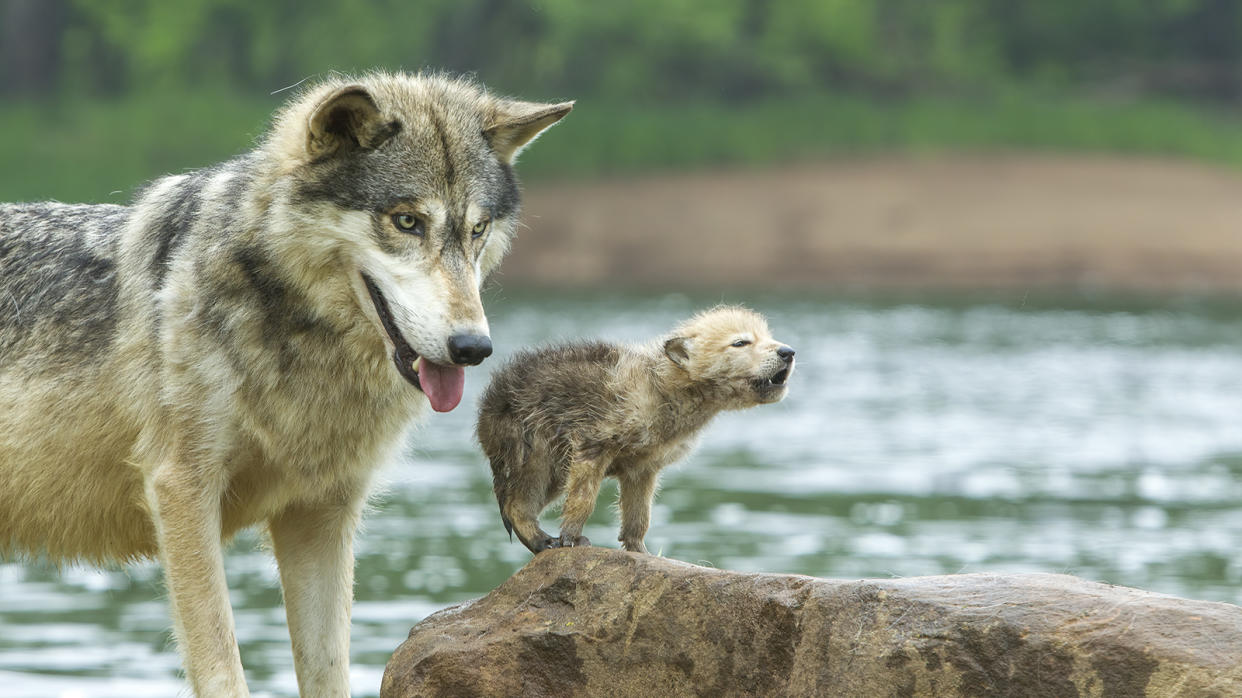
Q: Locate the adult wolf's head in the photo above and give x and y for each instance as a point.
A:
(409, 183)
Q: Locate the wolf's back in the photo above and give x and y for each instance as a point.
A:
(58, 281)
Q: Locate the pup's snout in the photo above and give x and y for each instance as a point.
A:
(786, 353)
(469, 349)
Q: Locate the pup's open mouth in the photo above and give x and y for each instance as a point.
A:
(774, 381)
(442, 385)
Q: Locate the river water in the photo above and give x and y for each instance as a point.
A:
(1095, 437)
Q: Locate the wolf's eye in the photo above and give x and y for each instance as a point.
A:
(407, 223)
(741, 343)
(479, 228)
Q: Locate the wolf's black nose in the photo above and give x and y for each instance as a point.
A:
(786, 353)
(469, 349)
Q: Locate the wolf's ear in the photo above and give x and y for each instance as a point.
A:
(347, 119)
(677, 350)
(516, 124)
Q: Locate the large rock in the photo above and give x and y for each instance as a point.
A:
(598, 622)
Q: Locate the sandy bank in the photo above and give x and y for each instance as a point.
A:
(955, 221)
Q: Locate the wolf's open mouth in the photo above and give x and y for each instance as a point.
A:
(780, 377)
(403, 354)
(441, 384)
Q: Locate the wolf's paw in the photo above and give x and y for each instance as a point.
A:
(575, 542)
(635, 547)
(544, 542)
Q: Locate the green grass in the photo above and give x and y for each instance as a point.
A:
(604, 139)
(99, 151)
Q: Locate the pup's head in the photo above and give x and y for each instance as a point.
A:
(729, 354)
(405, 189)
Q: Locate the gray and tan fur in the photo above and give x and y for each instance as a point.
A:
(561, 419)
(242, 345)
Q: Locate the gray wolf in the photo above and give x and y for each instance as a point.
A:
(560, 419)
(245, 343)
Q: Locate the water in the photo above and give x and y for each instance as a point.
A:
(1095, 438)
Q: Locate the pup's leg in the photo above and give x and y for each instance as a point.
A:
(185, 502)
(525, 484)
(314, 548)
(581, 490)
(523, 515)
(637, 490)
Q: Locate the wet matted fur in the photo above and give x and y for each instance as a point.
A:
(246, 343)
(562, 418)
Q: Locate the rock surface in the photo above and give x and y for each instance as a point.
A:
(601, 622)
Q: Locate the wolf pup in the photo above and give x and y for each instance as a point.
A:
(561, 419)
(246, 343)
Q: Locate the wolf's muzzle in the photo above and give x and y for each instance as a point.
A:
(469, 349)
(403, 355)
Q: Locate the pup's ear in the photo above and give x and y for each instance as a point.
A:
(344, 120)
(516, 124)
(677, 350)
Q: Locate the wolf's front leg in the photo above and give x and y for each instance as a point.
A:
(314, 548)
(581, 489)
(637, 490)
(185, 501)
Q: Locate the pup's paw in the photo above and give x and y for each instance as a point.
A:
(575, 542)
(544, 542)
(635, 547)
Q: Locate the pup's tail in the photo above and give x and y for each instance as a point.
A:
(507, 459)
(501, 497)
(508, 524)
(498, 486)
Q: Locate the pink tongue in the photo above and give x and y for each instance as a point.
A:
(442, 384)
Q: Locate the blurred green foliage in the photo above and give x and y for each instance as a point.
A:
(96, 95)
(637, 50)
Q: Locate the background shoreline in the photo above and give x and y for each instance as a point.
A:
(996, 220)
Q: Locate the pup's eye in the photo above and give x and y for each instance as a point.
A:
(408, 223)
(741, 343)
(480, 228)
